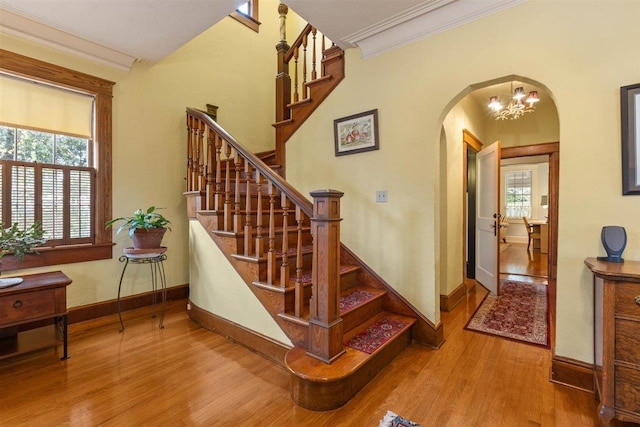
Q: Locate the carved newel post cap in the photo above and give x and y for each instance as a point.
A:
(326, 193)
(283, 9)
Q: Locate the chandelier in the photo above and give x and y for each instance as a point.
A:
(518, 105)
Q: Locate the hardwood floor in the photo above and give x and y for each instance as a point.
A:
(516, 259)
(187, 376)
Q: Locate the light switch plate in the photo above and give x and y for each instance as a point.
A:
(381, 196)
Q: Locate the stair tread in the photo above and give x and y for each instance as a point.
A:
(291, 252)
(347, 304)
(300, 363)
(409, 321)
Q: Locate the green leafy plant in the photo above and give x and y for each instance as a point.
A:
(141, 219)
(21, 241)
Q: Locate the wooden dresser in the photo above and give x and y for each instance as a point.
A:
(33, 314)
(616, 339)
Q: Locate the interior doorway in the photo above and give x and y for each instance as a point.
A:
(524, 248)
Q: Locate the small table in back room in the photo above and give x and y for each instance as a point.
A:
(154, 258)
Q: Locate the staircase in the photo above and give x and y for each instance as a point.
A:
(289, 254)
(300, 89)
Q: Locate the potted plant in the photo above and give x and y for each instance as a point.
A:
(146, 228)
(19, 242)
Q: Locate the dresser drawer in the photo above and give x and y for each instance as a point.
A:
(627, 341)
(28, 305)
(626, 294)
(627, 389)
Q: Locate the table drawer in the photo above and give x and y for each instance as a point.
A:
(29, 305)
(626, 294)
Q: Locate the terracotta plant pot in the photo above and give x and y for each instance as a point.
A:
(148, 239)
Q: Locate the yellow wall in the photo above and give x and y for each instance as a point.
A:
(217, 287)
(149, 136)
(413, 89)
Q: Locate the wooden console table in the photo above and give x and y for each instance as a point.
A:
(616, 367)
(38, 299)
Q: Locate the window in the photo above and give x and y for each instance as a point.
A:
(57, 172)
(518, 184)
(45, 177)
(247, 14)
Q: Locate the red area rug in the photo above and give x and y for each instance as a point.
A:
(354, 299)
(375, 335)
(520, 313)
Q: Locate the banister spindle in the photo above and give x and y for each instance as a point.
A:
(219, 202)
(259, 231)
(284, 266)
(194, 163)
(295, 74)
(314, 73)
(201, 176)
(303, 88)
(271, 254)
(209, 170)
(189, 152)
(228, 213)
(248, 228)
(237, 215)
(299, 291)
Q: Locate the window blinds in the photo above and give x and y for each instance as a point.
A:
(28, 104)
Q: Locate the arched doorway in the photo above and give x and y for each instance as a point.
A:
(536, 133)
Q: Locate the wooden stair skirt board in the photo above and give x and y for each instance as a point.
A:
(320, 386)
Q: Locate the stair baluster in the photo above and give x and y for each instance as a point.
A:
(303, 88)
(237, 215)
(299, 291)
(259, 230)
(210, 173)
(200, 156)
(190, 120)
(296, 96)
(248, 229)
(314, 73)
(219, 197)
(228, 214)
(284, 266)
(271, 255)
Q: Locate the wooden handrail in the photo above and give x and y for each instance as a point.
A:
(265, 171)
(298, 43)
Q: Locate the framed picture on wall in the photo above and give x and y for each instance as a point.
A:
(356, 133)
(630, 114)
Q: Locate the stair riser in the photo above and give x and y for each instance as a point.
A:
(361, 314)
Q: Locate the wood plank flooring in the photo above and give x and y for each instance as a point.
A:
(187, 376)
(516, 259)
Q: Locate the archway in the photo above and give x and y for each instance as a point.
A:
(468, 111)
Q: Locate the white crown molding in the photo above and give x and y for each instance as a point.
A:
(24, 28)
(421, 9)
(423, 21)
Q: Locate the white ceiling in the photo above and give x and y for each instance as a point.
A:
(119, 32)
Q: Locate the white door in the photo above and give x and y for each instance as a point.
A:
(488, 216)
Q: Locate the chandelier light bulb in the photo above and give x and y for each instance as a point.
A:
(494, 103)
(533, 97)
(519, 93)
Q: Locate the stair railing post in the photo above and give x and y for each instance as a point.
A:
(283, 81)
(325, 323)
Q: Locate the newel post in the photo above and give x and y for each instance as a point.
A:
(283, 84)
(325, 324)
